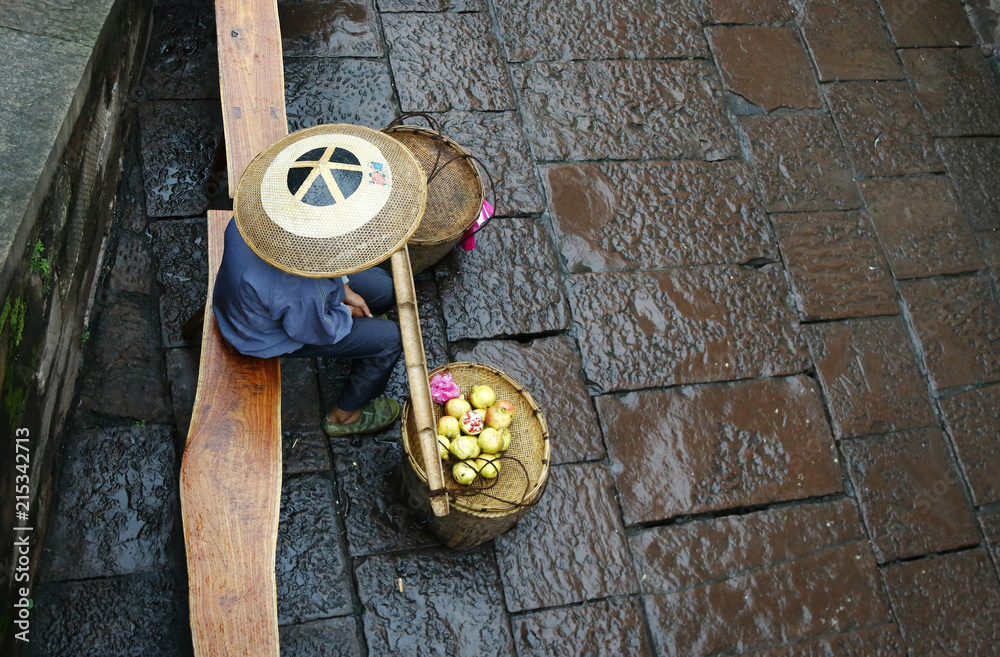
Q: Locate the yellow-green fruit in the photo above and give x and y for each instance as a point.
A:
(443, 446)
(448, 427)
(482, 396)
(505, 434)
(490, 441)
(457, 407)
(488, 466)
(465, 447)
(464, 473)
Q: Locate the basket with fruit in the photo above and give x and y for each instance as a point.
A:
(494, 443)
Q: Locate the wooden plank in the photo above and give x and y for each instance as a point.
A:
(416, 371)
(251, 78)
(231, 489)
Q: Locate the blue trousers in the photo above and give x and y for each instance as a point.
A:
(373, 345)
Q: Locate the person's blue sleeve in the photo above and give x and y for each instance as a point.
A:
(316, 315)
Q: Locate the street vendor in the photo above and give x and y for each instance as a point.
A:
(265, 312)
(315, 205)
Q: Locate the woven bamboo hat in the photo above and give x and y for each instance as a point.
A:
(330, 200)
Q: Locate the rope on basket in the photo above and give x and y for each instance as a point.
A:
(479, 486)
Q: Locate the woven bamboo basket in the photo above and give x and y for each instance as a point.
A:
(455, 193)
(480, 515)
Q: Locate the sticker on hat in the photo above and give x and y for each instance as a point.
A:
(326, 185)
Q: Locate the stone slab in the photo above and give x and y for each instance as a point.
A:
(989, 246)
(505, 286)
(304, 450)
(133, 266)
(437, 69)
(956, 90)
(450, 602)
(800, 163)
(835, 265)
(43, 74)
(130, 209)
(973, 421)
(180, 249)
(870, 377)
(649, 215)
(335, 90)
(658, 328)
(116, 507)
(329, 28)
(883, 130)
(671, 559)
(332, 637)
(387, 6)
(179, 139)
(182, 375)
(182, 60)
(974, 165)
(550, 369)
(497, 139)
(375, 515)
(947, 605)
(989, 521)
(767, 66)
(834, 590)
(938, 23)
(921, 226)
(605, 627)
(700, 449)
(881, 641)
(133, 615)
(591, 29)
(76, 21)
(300, 404)
(639, 109)
(957, 322)
(910, 493)
(753, 12)
(310, 568)
(124, 375)
(985, 18)
(575, 537)
(848, 40)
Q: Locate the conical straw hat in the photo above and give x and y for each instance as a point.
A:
(330, 200)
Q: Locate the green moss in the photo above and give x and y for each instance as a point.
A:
(39, 263)
(17, 320)
(14, 402)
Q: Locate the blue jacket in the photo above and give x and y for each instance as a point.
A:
(264, 312)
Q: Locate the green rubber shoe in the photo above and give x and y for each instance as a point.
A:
(377, 415)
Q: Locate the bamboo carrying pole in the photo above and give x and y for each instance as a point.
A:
(416, 372)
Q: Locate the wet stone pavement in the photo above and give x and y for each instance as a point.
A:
(746, 259)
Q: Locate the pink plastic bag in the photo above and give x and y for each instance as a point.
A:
(468, 241)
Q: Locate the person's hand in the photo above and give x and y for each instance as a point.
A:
(357, 305)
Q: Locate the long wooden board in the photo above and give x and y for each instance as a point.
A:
(231, 490)
(252, 80)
